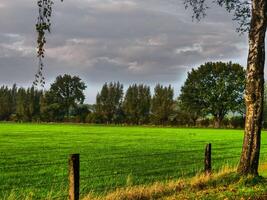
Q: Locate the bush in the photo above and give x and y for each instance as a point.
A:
(225, 123)
(205, 122)
(237, 122)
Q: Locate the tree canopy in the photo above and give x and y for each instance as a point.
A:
(136, 104)
(162, 104)
(67, 92)
(214, 88)
(109, 102)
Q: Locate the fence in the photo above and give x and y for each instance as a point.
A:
(78, 175)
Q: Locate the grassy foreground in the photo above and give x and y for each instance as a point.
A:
(34, 156)
(224, 185)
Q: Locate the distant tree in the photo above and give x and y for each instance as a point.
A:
(66, 93)
(14, 95)
(28, 104)
(192, 112)
(145, 103)
(136, 104)
(130, 105)
(6, 103)
(237, 121)
(214, 88)
(184, 116)
(22, 105)
(109, 103)
(50, 110)
(162, 104)
(33, 98)
(81, 112)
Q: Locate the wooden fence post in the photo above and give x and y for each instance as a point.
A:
(74, 176)
(207, 161)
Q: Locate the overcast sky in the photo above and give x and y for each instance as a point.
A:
(143, 41)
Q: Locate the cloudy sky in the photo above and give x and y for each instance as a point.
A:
(144, 41)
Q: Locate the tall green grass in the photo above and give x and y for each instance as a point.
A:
(34, 157)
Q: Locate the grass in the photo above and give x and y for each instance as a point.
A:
(225, 184)
(34, 156)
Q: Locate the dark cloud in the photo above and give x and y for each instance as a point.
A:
(130, 41)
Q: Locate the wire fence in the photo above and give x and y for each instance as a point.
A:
(31, 172)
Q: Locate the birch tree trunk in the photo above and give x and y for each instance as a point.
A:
(254, 91)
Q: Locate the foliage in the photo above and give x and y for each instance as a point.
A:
(81, 111)
(64, 102)
(30, 104)
(241, 10)
(136, 104)
(7, 101)
(214, 88)
(162, 104)
(42, 27)
(66, 93)
(109, 102)
(19, 104)
(237, 122)
(27, 104)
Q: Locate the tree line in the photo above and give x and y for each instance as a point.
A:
(212, 95)
(63, 99)
(136, 107)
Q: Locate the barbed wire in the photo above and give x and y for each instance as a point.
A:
(137, 156)
(70, 148)
(135, 172)
(30, 178)
(40, 185)
(23, 165)
(142, 155)
(32, 165)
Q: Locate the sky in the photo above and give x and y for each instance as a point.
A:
(131, 41)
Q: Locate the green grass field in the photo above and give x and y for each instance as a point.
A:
(34, 157)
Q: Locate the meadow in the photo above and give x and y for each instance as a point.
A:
(34, 157)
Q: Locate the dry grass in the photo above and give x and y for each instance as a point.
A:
(155, 191)
(164, 190)
(263, 167)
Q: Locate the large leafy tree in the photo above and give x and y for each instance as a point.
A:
(66, 92)
(214, 88)
(251, 16)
